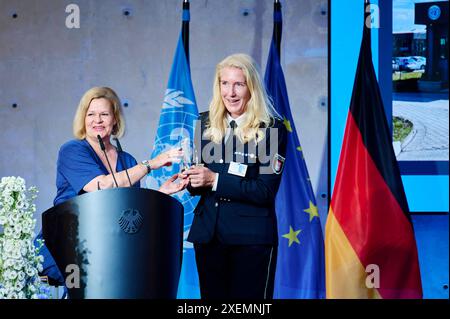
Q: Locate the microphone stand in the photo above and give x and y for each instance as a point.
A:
(102, 146)
(119, 148)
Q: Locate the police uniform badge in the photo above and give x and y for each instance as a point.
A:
(278, 163)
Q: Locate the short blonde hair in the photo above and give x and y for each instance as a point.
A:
(259, 108)
(79, 129)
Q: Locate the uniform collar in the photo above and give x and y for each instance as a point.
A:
(239, 120)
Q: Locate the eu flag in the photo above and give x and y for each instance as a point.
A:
(176, 127)
(300, 269)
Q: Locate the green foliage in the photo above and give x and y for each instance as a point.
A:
(402, 127)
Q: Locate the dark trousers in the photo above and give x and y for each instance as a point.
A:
(235, 271)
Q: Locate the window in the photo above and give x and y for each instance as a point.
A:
(420, 87)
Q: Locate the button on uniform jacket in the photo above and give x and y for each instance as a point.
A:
(242, 209)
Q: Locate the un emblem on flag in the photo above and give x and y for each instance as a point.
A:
(130, 221)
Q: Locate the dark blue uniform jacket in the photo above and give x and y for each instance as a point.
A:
(242, 209)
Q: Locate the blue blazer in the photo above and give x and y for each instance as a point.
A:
(242, 209)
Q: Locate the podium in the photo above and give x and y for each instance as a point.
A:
(117, 243)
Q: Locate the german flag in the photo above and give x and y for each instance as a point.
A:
(370, 249)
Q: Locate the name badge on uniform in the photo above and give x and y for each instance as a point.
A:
(237, 169)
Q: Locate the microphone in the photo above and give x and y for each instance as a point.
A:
(102, 146)
(119, 148)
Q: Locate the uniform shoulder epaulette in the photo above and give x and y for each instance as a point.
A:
(277, 118)
(276, 121)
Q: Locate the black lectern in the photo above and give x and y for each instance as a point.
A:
(117, 243)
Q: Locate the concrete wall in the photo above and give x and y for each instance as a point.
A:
(46, 67)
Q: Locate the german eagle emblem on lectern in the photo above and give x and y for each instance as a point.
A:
(130, 221)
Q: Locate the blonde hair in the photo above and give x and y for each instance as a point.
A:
(79, 129)
(259, 108)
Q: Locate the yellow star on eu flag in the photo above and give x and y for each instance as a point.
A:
(292, 236)
(312, 211)
(287, 123)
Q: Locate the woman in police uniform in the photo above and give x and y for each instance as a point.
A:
(243, 144)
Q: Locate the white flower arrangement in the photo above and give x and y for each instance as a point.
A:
(20, 261)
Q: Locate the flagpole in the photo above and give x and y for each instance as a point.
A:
(277, 25)
(367, 28)
(185, 28)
